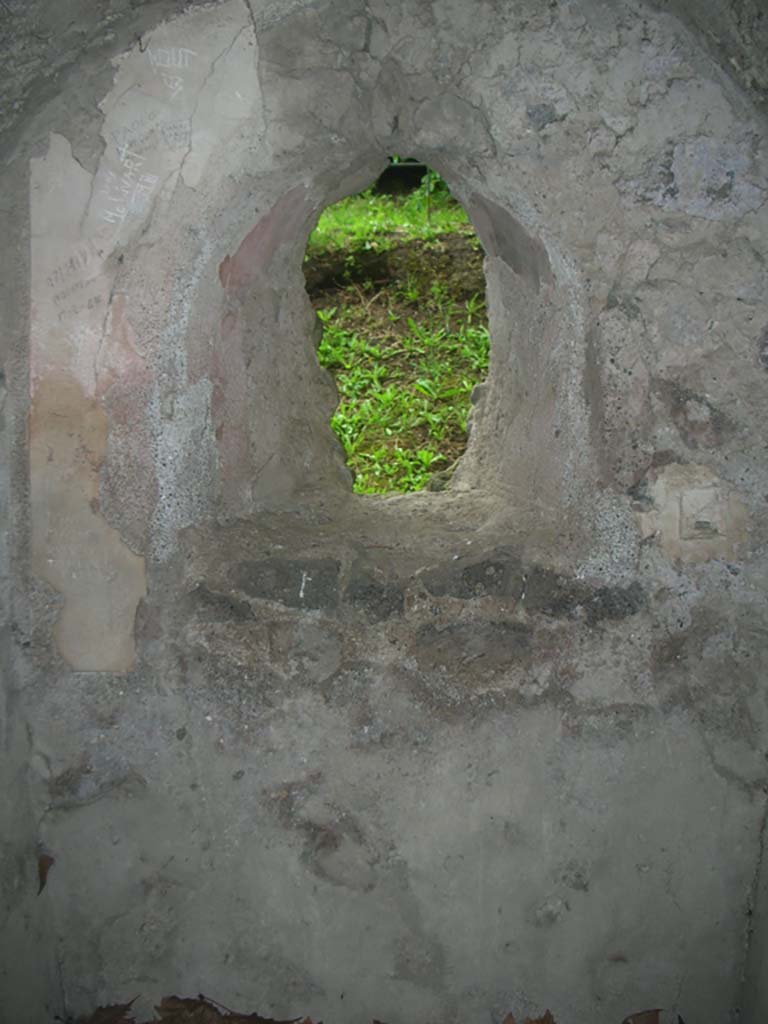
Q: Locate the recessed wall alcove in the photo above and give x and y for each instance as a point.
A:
(458, 571)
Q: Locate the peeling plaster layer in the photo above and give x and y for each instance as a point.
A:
(175, 102)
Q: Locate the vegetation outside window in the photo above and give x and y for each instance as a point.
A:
(395, 275)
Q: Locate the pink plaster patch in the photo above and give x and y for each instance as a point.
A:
(119, 357)
(262, 241)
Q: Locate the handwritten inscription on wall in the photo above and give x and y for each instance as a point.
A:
(70, 268)
(170, 63)
(128, 191)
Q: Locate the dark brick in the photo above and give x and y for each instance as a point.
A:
(297, 583)
(552, 594)
(212, 606)
(376, 599)
(615, 603)
(498, 575)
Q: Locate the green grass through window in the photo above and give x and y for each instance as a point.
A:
(398, 285)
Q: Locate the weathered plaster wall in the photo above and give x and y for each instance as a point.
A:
(736, 32)
(486, 750)
(26, 945)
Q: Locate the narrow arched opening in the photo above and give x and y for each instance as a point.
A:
(395, 275)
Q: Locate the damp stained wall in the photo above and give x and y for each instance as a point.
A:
(496, 749)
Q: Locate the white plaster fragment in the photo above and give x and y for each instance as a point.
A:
(696, 516)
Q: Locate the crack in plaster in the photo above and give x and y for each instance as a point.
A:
(93, 176)
(754, 891)
(193, 114)
(105, 323)
(728, 775)
(252, 16)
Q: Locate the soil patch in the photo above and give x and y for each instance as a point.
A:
(454, 260)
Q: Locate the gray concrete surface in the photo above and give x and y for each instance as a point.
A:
(449, 755)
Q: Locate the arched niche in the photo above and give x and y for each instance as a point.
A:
(529, 445)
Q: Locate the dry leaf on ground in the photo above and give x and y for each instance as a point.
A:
(546, 1019)
(117, 1013)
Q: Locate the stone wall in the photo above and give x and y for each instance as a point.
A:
(497, 748)
(736, 33)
